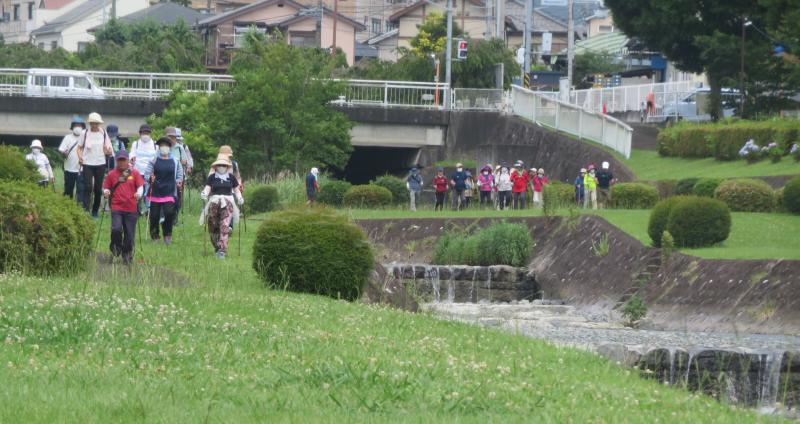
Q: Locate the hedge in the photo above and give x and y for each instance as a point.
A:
(15, 167)
(746, 195)
(313, 250)
(685, 187)
(42, 232)
(791, 195)
(395, 185)
(633, 196)
(367, 196)
(263, 199)
(331, 192)
(705, 187)
(699, 222)
(723, 140)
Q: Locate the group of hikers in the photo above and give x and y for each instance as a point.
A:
(504, 187)
(144, 178)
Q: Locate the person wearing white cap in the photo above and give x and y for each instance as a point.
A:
(93, 148)
(220, 213)
(312, 186)
(580, 192)
(42, 164)
(604, 181)
(72, 168)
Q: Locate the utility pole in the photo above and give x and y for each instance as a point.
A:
(208, 6)
(105, 15)
(319, 25)
(335, 21)
(113, 9)
(448, 53)
(526, 40)
(570, 42)
(500, 19)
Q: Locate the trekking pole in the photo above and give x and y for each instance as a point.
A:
(241, 214)
(100, 227)
(244, 220)
(205, 230)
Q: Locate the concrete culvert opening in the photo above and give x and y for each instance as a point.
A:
(366, 163)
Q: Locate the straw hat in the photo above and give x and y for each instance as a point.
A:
(95, 118)
(225, 150)
(222, 160)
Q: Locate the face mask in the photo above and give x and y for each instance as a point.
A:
(222, 170)
(460, 169)
(77, 131)
(485, 172)
(146, 138)
(164, 150)
(541, 175)
(36, 150)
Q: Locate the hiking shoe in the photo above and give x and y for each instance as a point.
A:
(168, 240)
(94, 216)
(221, 255)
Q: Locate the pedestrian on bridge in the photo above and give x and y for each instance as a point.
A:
(93, 148)
(42, 164)
(165, 180)
(73, 181)
(123, 188)
(220, 213)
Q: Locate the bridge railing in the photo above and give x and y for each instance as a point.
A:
(489, 99)
(411, 94)
(626, 98)
(151, 86)
(571, 119)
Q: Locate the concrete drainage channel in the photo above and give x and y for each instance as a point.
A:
(753, 370)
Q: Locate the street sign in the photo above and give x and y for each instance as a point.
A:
(554, 2)
(547, 42)
(521, 55)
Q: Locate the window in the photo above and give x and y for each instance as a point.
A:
(53, 45)
(303, 39)
(30, 11)
(240, 31)
(82, 46)
(391, 26)
(59, 81)
(606, 28)
(16, 12)
(82, 82)
(376, 25)
(41, 46)
(40, 80)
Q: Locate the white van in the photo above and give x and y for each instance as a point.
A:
(694, 107)
(61, 83)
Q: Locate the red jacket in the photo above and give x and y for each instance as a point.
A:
(440, 183)
(538, 183)
(122, 196)
(520, 181)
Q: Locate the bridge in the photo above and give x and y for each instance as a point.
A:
(408, 122)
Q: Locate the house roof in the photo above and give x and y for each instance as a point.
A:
(70, 18)
(53, 4)
(381, 37)
(168, 13)
(612, 43)
(364, 50)
(227, 16)
(416, 5)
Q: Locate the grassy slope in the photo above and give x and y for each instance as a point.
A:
(648, 165)
(753, 235)
(131, 348)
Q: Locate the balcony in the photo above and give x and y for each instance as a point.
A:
(16, 31)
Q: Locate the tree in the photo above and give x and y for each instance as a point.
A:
(431, 36)
(591, 63)
(698, 36)
(478, 70)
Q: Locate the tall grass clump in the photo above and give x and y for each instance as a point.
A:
(313, 250)
(501, 243)
(291, 187)
(15, 167)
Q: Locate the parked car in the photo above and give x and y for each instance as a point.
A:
(62, 83)
(693, 107)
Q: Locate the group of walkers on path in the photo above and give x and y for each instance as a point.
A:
(504, 187)
(145, 178)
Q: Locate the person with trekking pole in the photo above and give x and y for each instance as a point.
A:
(165, 180)
(93, 147)
(123, 187)
(143, 153)
(222, 194)
(179, 153)
(73, 183)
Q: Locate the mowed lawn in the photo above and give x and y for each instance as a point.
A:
(188, 338)
(753, 235)
(648, 165)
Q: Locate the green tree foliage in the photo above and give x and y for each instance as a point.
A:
(591, 63)
(478, 70)
(431, 36)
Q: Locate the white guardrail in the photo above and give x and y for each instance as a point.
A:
(571, 119)
(627, 98)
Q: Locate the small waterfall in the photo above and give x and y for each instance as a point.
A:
(671, 365)
(432, 277)
(472, 288)
(770, 381)
(451, 291)
(489, 282)
(688, 368)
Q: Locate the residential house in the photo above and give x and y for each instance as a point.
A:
(542, 23)
(70, 30)
(18, 18)
(166, 13)
(599, 23)
(469, 15)
(385, 44)
(224, 33)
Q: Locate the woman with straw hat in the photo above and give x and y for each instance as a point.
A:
(222, 194)
(228, 152)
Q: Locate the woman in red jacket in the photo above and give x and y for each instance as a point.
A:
(519, 177)
(440, 183)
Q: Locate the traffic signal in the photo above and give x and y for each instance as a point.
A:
(462, 50)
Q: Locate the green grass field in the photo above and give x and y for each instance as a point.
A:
(189, 338)
(648, 165)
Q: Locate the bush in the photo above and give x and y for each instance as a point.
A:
(263, 199)
(15, 167)
(705, 187)
(332, 192)
(699, 222)
(685, 187)
(685, 140)
(780, 203)
(659, 217)
(501, 243)
(633, 196)
(313, 250)
(634, 310)
(558, 195)
(367, 196)
(723, 140)
(41, 232)
(665, 188)
(746, 195)
(791, 195)
(397, 186)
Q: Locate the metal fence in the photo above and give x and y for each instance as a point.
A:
(489, 99)
(626, 98)
(395, 94)
(572, 119)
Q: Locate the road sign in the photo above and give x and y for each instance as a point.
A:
(547, 42)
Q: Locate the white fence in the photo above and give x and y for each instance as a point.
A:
(627, 98)
(411, 94)
(571, 119)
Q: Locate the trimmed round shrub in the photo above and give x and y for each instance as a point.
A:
(685, 187)
(15, 167)
(699, 222)
(367, 196)
(263, 199)
(705, 187)
(659, 217)
(746, 195)
(791, 195)
(780, 204)
(633, 196)
(331, 192)
(313, 250)
(665, 188)
(557, 195)
(41, 232)
(397, 186)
